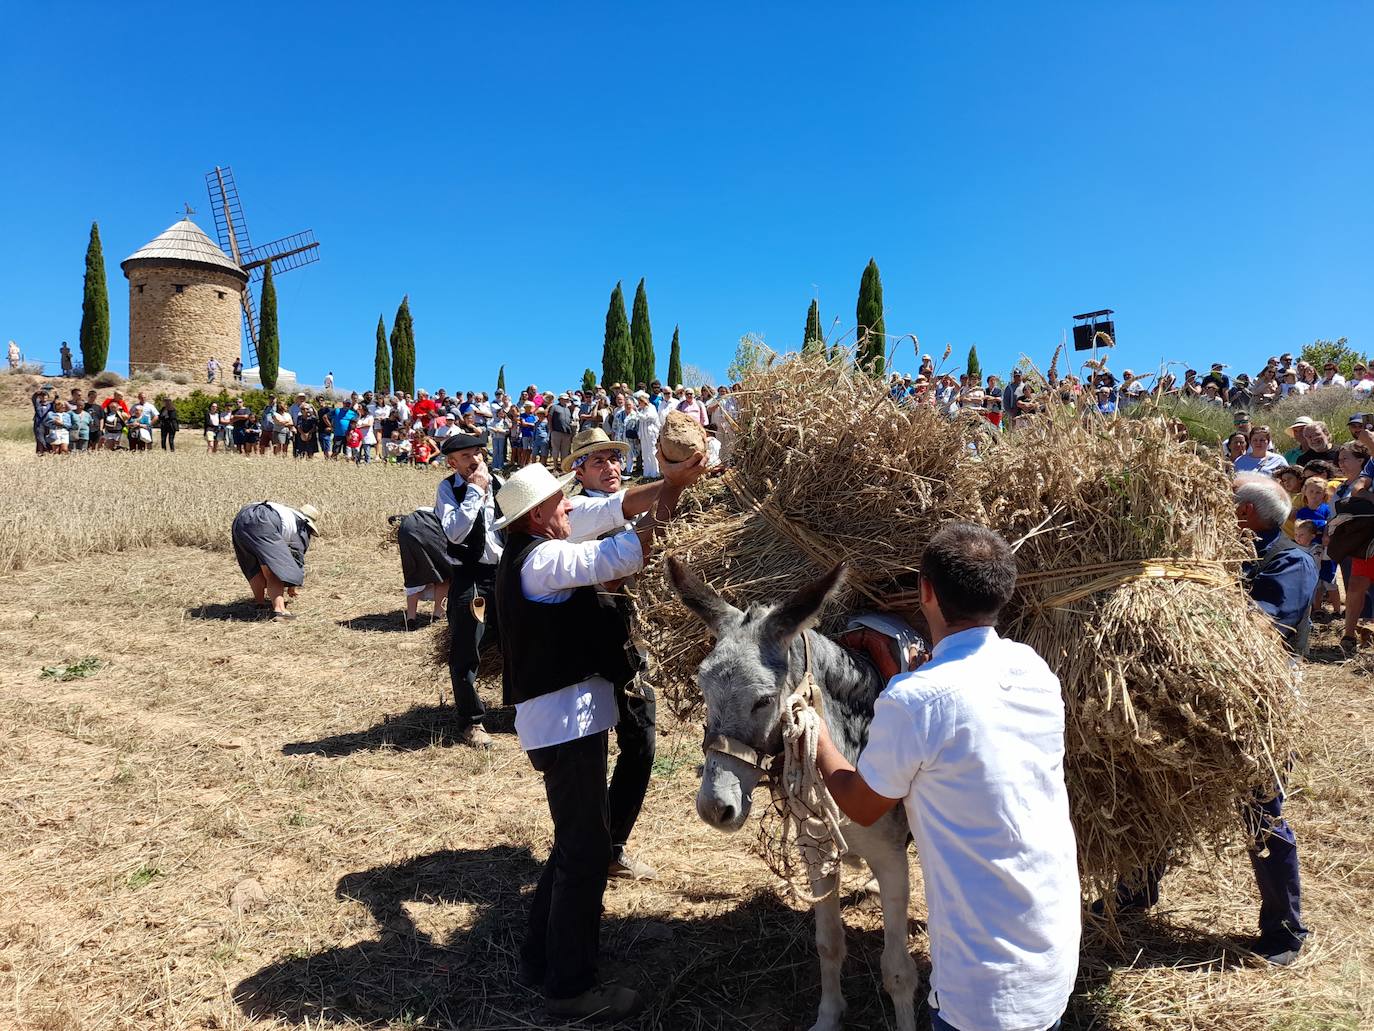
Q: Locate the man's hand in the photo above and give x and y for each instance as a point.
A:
(681, 475)
(481, 477)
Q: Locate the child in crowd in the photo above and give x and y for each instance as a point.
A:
(395, 449)
(1316, 513)
(541, 436)
(420, 450)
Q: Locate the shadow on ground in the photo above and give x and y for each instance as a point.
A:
(238, 611)
(448, 926)
(421, 727)
(393, 621)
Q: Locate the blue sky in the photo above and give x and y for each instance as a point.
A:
(1204, 170)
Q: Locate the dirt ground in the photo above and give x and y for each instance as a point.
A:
(204, 748)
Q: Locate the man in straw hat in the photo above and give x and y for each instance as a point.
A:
(565, 649)
(600, 508)
(465, 504)
(270, 541)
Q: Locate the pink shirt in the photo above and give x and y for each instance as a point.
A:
(694, 408)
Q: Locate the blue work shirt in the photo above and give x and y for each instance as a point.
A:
(1284, 588)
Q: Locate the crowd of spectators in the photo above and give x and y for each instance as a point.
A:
(395, 428)
(1103, 391)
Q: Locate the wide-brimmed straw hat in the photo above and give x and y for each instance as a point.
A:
(529, 488)
(589, 442)
(311, 514)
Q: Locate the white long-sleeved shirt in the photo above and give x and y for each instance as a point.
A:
(595, 514)
(552, 571)
(457, 515)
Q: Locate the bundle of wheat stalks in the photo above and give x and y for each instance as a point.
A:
(1179, 695)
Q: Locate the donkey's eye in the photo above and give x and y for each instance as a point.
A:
(761, 704)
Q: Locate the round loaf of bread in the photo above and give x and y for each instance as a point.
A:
(682, 437)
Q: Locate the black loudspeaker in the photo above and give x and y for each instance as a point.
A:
(1083, 335)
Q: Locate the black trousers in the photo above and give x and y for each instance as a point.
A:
(468, 638)
(636, 738)
(564, 934)
(169, 439)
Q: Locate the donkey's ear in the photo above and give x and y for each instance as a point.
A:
(800, 611)
(697, 595)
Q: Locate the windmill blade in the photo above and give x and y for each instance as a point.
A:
(230, 225)
(285, 254)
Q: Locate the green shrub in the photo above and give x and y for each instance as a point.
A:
(181, 379)
(108, 378)
(191, 409)
(1331, 405)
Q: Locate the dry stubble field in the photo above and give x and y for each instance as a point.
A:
(208, 748)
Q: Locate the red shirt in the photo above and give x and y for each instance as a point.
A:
(105, 405)
(423, 409)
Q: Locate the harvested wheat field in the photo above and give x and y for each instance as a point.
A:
(212, 821)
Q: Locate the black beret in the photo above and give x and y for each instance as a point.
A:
(462, 441)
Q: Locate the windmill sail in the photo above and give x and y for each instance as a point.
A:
(232, 229)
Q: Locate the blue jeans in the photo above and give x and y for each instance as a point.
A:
(937, 1024)
(498, 452)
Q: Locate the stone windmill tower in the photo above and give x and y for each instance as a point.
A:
(188, 296)
(185, 295)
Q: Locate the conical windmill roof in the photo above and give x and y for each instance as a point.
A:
(183, 241)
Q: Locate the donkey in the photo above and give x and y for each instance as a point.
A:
(759, 657)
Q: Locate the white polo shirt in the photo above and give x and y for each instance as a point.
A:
(973, 742)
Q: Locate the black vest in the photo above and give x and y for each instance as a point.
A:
(469, 551)
(548, 646)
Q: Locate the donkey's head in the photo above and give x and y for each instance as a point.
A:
(744, 680)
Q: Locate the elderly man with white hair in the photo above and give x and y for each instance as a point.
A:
(1281, 581)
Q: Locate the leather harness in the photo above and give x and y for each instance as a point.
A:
(737, 749)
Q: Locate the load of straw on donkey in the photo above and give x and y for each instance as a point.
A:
(1129, 586)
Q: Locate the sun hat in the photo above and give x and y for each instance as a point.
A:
(528, 488)
(1356, 419)
(311, 515)
(642, 395)
(590, 441)
(1303, 422)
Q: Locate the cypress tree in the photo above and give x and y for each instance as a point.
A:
(403, 349)
(642, 339)
(812, 341)
(675, 362)
(872, 331)
(269, 344)
(617, 362)
(501, 379)
(381, 364)
(588, 381)
(95, 309)
(974, 370)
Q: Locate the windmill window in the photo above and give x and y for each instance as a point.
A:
(221, 294)
(180, 286)
(140, 288)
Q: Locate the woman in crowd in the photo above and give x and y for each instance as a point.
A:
(1259, 458)
(499, 428)
(82, 425)
(1236, 445)
(324, 422)
(282, 426)
(1267, 389)
(168, 422)
(212, 428)
(1353, 456)
(57, 428)
(365, 425)
(140, 426)
(307, 442)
